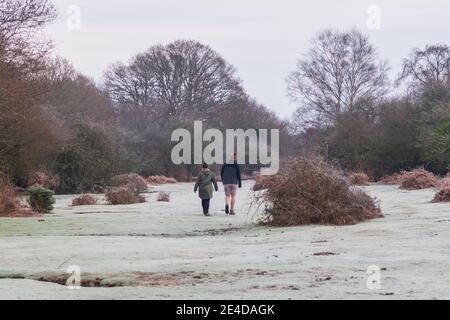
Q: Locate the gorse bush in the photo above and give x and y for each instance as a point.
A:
(309, 191)
(435, 138)
(90, 158)
(41, 200)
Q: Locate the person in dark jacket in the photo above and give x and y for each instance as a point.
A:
(231, 179)
(206, 179)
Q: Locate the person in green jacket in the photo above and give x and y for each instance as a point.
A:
(204, 183)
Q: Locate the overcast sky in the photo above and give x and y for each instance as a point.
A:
(262, 39)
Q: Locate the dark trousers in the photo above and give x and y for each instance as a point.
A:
(205, 205)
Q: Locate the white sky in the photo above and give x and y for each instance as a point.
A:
(262, 39)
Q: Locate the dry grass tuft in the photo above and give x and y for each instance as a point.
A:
(358, 179)
(418, 179)
(123, 195)
(164, 196)
(161, 180)
(84, 200)
(309, 191)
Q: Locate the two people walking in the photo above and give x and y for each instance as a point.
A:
(231, 180)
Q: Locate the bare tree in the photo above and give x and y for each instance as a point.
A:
(24, 129)
(430, 66)
(20, 20)
(18, 17)
(340, 73)
(177, 80)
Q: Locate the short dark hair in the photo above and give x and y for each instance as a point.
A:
(205, 165)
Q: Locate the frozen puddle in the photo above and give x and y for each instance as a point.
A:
(158, 250)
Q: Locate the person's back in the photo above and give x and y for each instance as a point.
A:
(231, 174)
(231, 179)
(205, 182)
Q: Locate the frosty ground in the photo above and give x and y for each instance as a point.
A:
(159, 250)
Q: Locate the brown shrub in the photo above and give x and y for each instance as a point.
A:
(8, 197)
(358, 179)
(394, 179)
(43, 180)
(261, 182)
(123, 195)
(9, 205)
(445, 182)
(164, 196)
(84, 200)
(181, 175)
(309, 191)
(418, 179)
(245, 176)
(161, 180)
(443, 195)
(132, 181)
(98, 189)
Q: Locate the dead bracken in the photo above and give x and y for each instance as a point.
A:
(309, 191)
(358, 179)
(132, 181)
(393, 179)
(443, 195)
(418, 179)
(261, 182)
(156, 180)
(84, 200)
(123, 195)
(10, 206)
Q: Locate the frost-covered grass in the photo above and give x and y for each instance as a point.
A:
(168, 250)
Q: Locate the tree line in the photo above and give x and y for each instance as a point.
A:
(351, 114)
(57, 120)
